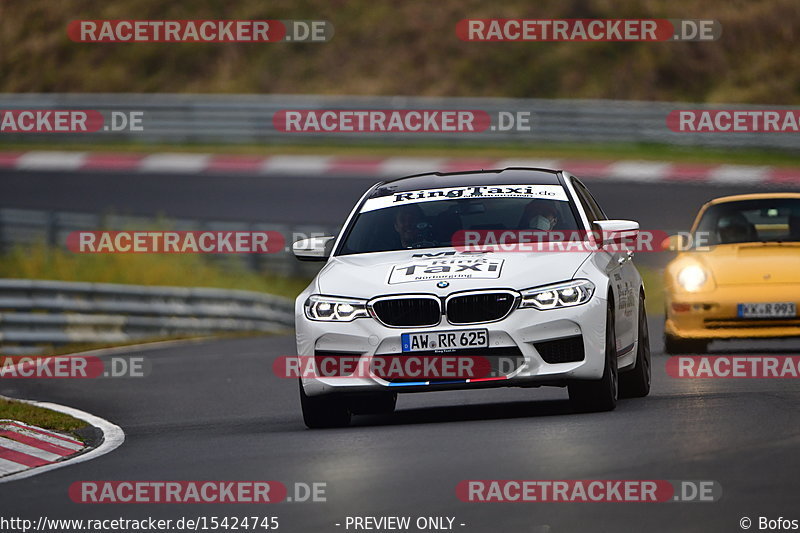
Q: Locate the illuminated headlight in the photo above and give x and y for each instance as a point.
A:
(333, 309)
(567, 294)
(692, 277)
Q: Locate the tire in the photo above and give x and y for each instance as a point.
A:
(678, 346)
(381, 403)
(598, 395)
(636, 383)
(326, 411)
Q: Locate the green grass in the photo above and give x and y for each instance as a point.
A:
(38, 416)
(654, 152)
(39, 261)
(654, 289)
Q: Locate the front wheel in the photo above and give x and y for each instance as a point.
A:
(636, 383)
(325, 411)
(600, 394)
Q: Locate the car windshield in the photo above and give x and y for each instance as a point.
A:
(423, 222)
(762, 220)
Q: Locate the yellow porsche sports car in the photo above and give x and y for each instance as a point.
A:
(737, 274)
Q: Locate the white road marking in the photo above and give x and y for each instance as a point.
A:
(51, 160)
(15, 446)
(739, 174)
(113, 437)
(50, 439)
(638, 170)
(9, 467)
(177, 163)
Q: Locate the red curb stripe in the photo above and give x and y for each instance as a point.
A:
(589, 169)
(112, 161)
(460, 165)
(43, 432)
(784, 175)
(689, 172)
(236, 163)
(9, 159)
(36, 443)
(21, 458)
(249, 164)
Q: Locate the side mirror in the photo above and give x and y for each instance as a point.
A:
(616, 231)
(313, 249)
(675, 243)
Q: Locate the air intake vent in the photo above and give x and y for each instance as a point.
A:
(569, 350)
(477, 307)
(404, 312)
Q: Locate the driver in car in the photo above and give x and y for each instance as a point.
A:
(410, 225)
(539, 214)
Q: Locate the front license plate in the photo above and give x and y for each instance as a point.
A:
(445, 340)
(767, 310)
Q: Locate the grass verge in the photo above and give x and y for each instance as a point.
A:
(39, 261)
(654, 289)
(39, 416)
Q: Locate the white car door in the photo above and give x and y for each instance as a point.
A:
(623, 276)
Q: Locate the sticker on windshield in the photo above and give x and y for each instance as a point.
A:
(545, 192)
(450, 268)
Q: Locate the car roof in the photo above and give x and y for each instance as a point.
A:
(437, 180)
(753, 196)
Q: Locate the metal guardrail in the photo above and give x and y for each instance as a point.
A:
(191, 118)
(36, 313)
(27, 226)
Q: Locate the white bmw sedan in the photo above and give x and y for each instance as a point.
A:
(467, 280)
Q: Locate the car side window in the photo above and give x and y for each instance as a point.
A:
(593, 212)
(595, 208)
(601, 215)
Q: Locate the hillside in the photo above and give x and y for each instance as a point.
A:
(410, 48)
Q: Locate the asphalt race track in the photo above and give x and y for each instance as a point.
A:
(215, 411)
(295, 199)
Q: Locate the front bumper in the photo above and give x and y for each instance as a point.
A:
(713, 314)
(522, 328)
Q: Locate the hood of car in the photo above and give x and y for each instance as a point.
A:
(752, 263)
(442, 271)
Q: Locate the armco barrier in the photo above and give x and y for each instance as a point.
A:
(38, 313)
(248, 118)
(22, 227)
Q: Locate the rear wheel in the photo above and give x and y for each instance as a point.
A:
(600, 394)
(677, 346)
(326, 411)
(636, 383)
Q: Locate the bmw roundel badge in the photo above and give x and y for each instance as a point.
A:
(443, 284)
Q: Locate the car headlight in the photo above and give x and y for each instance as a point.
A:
(692, 277)
(335, 309)
(566, 294)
